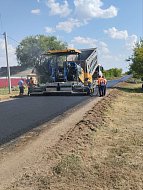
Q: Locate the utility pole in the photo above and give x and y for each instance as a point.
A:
(8, 68)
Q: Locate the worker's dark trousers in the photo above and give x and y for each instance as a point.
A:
(101, 90)
(21, 90)
(104, 90)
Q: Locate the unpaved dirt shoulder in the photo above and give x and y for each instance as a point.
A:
(29, 149)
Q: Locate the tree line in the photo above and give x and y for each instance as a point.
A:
(136, 60)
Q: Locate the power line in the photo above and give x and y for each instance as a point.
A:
(10, 38)
(13, 39)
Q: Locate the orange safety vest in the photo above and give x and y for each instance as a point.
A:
(101, 81)
(31, 81)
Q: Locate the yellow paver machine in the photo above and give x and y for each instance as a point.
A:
(71, 71)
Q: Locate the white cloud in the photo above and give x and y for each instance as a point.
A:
(117, 34)
(84, 10)
(109, 59)
(68, 25)
(35, 11)
(122, 34)
(104, 54)
(11, 54)
(38, 1)
(103, 48)
(58, 9)
(89, 42)
(92, 9)
(49, 29)
(131, 41)
(70, 45)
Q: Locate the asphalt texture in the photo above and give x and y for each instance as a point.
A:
(23, 114)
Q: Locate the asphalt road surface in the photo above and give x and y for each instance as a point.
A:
(23, 114)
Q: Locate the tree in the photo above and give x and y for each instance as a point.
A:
(136, 67)
(30, 49)
(113, 72)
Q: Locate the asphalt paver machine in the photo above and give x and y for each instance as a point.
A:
(71, 72)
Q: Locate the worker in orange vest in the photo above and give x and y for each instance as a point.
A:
(101, 86)
(30, 84)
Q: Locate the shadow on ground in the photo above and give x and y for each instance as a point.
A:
(19, 96)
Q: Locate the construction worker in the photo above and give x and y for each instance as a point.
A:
(21, 86)
(101, 85)
(30, 84)
(88, 86)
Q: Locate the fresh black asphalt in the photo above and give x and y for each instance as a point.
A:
(23, 114)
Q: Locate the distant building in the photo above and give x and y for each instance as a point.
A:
(4, 81)
(16, 74)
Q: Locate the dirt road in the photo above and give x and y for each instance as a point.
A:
(97, 147)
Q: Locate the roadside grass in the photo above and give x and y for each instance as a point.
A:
(134, 80)
(4, 92)
(111, 156)
(130, 88)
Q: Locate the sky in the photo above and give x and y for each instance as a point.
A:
(112, 26)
